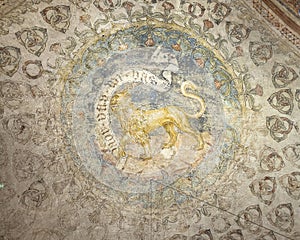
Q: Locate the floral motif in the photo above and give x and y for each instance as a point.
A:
(168, 7)
(59, 186)
(260, 53)
(196, 10)
(19, 127)
(36, 73)
(220, 223)
(237, 33)
(58, 17)
(107, 5)
(258, 90)
(279, 127)
(250, 92)
(13, 93)
(68, 218)
(75, 189)
(150, 41)
(282, 101)
(282, 75)
(128, 7)
(35, 196)
(270, 160)
(282, 217)
(33, 39)
(219, 11)
(82, 4)
(57, 48)
(251, 214)
(26, 164)
(207, 24)
(292, 153)
(9, 60)
(236, 234)
(269, 235)
(291, 184)
(107, 211)
(176, 47)
(15, 14)
(264, 189)
(203, 234)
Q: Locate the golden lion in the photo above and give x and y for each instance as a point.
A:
(137, 123)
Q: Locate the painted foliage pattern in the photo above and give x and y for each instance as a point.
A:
(147, 120)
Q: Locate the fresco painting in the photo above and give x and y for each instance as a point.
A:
(149, 119)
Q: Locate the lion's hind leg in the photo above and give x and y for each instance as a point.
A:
(170, 129)
(143, 139)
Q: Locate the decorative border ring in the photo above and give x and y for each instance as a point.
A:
(38, 63)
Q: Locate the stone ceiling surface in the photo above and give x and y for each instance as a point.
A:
(282, 15)
(131, 119)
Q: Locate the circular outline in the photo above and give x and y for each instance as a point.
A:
(67, 70)
(38, 63)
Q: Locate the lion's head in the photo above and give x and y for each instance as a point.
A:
(117, 98)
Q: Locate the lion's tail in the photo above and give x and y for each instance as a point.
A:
(190, 85)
